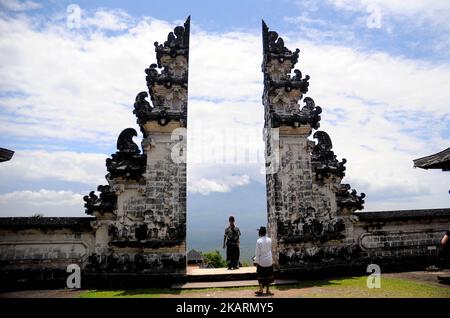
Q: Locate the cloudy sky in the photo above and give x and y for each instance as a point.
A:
(379, 69)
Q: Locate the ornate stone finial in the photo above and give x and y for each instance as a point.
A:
(323, 141)
(177, 43)
(127, 162)
(349, 200)
(283, 90)
(323, 159)
(125, 141)
(274, 48)
(167, 81)
(311, 113)
(142, 108)
(106, 203)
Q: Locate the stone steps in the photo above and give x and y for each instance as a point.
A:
(227, 284)
(220, 274)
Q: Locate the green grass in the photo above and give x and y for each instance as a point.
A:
(352, 287)
(131, 293)
(356, 287)
(151, 292)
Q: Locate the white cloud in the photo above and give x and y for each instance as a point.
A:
(46, 202)
(90, 93)
(86, 168)
(418, 12)
(206, 186)
(16, 5)
(381, 111)
(225, 66)
(115, 20)
(43, 197)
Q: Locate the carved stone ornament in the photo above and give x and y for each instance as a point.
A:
(127, 162)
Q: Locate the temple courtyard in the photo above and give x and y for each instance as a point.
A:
(418, 284)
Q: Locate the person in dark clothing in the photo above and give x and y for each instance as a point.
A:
(444, 255)
(231, 242)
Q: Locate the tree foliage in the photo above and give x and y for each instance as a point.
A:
(215, 259)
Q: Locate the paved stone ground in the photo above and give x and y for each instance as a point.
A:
(424, 277)
(54, 293)
(420, 276)
(220, 271)
(225, 284)
(287, 292)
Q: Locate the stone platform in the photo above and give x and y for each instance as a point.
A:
(194, 274)
(199, 278)
(228, 284)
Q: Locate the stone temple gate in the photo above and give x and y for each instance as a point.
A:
(141, 214)
(309, 210)
(138, 228)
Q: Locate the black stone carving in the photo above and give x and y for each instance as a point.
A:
(290, 83)
(147, 243)
(162, 78)
(273, 47)
(145, 113)
(112, 262)
(324, 256)
(142, 108)
(309, 228)
(106, 203)
(141, 232)
(113, 231)
(347, 199)
(145, 235)
(125, 141)
(127, 162)
(323, 159)
(177, 43)
(309, 114)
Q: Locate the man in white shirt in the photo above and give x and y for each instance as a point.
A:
(263, 261)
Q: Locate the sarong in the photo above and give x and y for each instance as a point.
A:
(232, 252)
(264, 275)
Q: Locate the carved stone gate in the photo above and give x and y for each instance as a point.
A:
(140, 215)
(309, 209)
(139, 226)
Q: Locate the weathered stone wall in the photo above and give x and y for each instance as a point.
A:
(141, 213)
(406, 238)
(139, 228)
(395, 240)
(312, 216)
(39, 249)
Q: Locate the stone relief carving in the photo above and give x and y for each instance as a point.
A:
(146, 198)
(167, 82)
(106, 203)
(307, 205)
(127, 162)
(349, 200)
(323, 159)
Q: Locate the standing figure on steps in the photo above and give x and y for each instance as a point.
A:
(263, 261)
(444, 255)
(231, 242)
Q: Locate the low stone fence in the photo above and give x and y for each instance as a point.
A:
(39, 249)
(401, 239)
